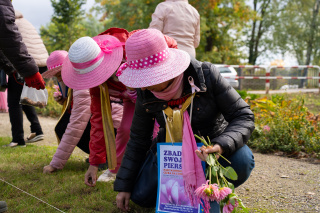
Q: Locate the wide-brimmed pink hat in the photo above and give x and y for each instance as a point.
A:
(91, 61)
(150, 61)
(54, 63)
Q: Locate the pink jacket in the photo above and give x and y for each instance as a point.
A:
(179, 20)
(80, 116)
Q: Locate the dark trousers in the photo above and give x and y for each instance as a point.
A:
(61, 127)
(15, 112)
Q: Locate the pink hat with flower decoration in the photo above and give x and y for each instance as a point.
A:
(54, 63)
(150, 61)
(91, 61)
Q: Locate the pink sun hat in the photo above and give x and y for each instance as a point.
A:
(54, 63)
(91, 61)
(150, 61)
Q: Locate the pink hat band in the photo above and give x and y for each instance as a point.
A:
(58, 65)
(145, 62)
(81, 68)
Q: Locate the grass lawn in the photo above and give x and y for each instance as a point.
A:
(65, 190)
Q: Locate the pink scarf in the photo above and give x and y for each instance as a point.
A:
(173, 91)
(193, 175)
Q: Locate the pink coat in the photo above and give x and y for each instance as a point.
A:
(80, 116)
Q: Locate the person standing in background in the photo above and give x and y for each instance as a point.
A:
(179, 20)
(18, 64)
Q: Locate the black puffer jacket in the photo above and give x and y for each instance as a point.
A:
(218, 112)
(11, 43)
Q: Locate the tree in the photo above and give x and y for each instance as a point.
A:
(221, 24)
(65, 26)
(297, 30)
(259, 39)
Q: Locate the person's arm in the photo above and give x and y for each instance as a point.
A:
(97, 144)
(197, 34)
(158, 17)
(11, 42)
(236, 112)
(137, 147)
(79, 118)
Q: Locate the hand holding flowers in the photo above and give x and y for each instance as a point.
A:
(217, 188)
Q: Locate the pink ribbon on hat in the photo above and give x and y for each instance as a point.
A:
(144, 62)
(104, 50)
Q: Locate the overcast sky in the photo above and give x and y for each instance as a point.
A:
(39, 12)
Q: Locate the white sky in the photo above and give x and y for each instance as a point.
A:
(39, 12)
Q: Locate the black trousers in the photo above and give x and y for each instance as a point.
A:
(61, 127)
(15, 112)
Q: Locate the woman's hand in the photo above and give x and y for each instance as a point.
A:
(204, 151)
(49, 169)
(60, 100)
(123, 199)
(90, 178)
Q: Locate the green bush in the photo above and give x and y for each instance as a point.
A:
(53, 109)
(244, 95)
(284, 125)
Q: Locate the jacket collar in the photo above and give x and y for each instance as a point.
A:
(194, 70)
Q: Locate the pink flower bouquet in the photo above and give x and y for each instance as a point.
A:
(217, 187)
(57, 93)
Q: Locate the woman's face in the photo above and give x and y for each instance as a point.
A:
(158, 87)
(58, 76)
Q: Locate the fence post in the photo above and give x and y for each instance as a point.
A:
(268, 80)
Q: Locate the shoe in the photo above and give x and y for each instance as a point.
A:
(33, 137)
(14, 144)
(107, 176)
(3, 206)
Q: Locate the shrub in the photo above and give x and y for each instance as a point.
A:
(284, 125)
(53, 109)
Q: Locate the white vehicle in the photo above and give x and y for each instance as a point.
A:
(230, 73)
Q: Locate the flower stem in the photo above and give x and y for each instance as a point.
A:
(218, 179)
(224, 158)
(202, 140)
(210, 174)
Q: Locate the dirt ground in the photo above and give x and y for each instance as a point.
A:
(277, 184)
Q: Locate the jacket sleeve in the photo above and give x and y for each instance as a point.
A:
(137, 147)
(158, 17)
(197, 34)
(236, 112)
(11, 42)
(80, 116)
(97, 144)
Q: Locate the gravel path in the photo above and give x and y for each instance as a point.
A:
(277, 183)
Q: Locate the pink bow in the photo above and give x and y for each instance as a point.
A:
(108, 49)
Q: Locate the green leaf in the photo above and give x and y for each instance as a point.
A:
(231, 186)
(210, 160)
(229, 172)
(232, 200)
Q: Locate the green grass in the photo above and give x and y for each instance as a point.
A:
(22, 167)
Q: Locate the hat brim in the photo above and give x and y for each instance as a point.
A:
(175, 65)
(97, 76)
(52, 72)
